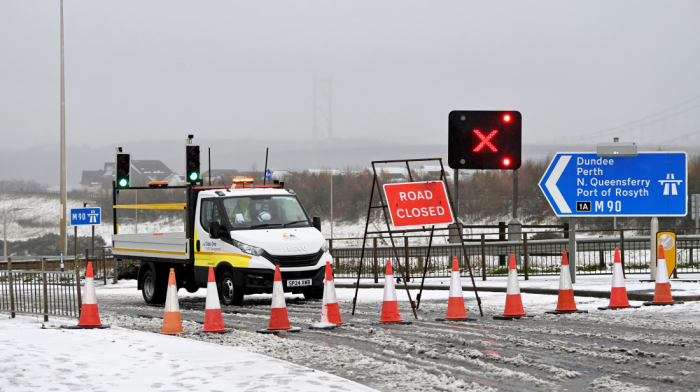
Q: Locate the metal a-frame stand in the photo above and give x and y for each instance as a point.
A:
(383, 206)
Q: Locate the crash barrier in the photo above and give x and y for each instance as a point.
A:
(103, 263)
(594, 256)
(44, 293)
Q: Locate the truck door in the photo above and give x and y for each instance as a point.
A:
(208, 212)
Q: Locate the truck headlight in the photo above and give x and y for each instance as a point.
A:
(249, 249)
(324, 247)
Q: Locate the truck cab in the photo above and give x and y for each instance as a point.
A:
(243, 232)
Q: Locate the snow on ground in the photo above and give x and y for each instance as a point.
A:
(47, 357)
(600, 283)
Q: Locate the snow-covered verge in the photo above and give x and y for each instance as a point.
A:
(688, 284)
(45, 357)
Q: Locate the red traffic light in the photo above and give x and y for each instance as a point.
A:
(506, 117)
(506, 162)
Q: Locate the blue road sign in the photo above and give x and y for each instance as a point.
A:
(85, 216)
(650, 184)
(268, 174)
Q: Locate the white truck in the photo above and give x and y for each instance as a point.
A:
(243, 232)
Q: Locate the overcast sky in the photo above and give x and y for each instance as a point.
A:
(157, 70)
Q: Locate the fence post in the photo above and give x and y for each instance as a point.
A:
(104, 266)
(622, 251)
(407, 264)
(77, 286)
(374, 263)
(566, 230)
(501, 237)
(46, 295)
(12, 291)
(483, 257)
(115, 265)
(526, 258)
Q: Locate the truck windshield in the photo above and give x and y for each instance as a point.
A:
(263, 212)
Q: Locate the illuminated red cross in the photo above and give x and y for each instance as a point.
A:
(485, 140)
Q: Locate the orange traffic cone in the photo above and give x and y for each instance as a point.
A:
(89, 314)
(566, 303)
(213, 320)
(514, 303)
(456, 311)
(618, 293)
(390, 306)
(172, 324)
(330, 314)
(279, 321)
(662, 291)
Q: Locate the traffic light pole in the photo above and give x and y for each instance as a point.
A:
(515, 194)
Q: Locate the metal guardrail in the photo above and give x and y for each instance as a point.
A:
(40, 292)
(533, 257)
(104, 266)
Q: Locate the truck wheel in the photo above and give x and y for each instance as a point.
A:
(191, 285)
(154, 290)
(313, 293)
(229, 293)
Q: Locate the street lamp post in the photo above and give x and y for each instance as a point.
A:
(63, 213)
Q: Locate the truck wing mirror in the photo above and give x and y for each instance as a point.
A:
(317, 223)
(214, 229)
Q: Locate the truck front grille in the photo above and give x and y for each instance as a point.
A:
(294, 261)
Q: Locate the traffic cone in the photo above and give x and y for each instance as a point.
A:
(514, 303)
(330, 315)
(279, 321)
(213, 320)
(172, 324)
(89, 314)
(618, 293)
(566, 303)
(390, 306)
(456, 311)
(662, 291)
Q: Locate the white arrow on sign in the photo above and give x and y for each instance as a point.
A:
(551, 184)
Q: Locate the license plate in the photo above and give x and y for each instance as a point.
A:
(299, 283)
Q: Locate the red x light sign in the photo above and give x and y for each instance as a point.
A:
(418, 204)
(485, 139)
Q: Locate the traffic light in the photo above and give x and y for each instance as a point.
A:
(122, 170)
(481, 139)
(192, 163)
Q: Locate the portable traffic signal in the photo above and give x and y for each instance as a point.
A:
(192, 163)
(481, 139)
(122, 170)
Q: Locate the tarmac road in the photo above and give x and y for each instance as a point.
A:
(625, 350)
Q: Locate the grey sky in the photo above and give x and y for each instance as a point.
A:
(157, 70)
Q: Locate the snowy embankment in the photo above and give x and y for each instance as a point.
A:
(46, 357)
(38, 215)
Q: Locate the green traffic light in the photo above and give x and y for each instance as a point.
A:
(194, 176)
(123, 182)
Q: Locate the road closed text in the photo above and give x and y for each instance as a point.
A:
(423, 211)
(418, 204)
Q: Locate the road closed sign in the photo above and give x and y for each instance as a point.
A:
(418, 204)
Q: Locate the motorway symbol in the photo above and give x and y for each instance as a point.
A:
(418, 204)
(650, 184)
(85, 216)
